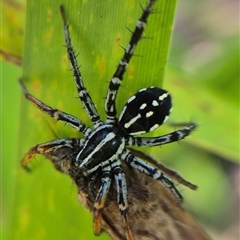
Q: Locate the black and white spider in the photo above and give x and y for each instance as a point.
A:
(107, 144)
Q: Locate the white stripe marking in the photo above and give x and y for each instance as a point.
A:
(143, 106)
(143, 89)
(108, 138)
(131, 99)
(149, 114)
(154, 127)
(122, 112)
(116, 80)
(163, 96)
(133, 120)
(155, 103)
(140, 24)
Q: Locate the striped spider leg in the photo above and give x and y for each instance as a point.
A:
(110, 106)
(167, 171)
(82, 91)
(97, 158)
(55, 145)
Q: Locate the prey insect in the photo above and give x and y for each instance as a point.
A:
(98, 158)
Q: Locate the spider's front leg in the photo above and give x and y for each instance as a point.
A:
(115, 82)
(58, 151)
(82, 91)
(55, 113)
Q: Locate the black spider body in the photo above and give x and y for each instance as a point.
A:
(145, 111)
(101, 148)
(99, 155)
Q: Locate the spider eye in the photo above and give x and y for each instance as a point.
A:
(145, 111)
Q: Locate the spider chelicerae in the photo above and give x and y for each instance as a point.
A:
(107, 144)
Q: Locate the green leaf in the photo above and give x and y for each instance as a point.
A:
(213, 112)
(12, 31)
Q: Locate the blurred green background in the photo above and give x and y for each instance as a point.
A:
(202, 73)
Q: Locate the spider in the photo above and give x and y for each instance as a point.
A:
(100, 154)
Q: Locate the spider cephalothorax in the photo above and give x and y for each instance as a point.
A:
(100, 155)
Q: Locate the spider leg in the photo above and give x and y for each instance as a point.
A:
(171, 173)
(122, 199)
(82, 91)
(157, 141)
(114, 85)
(55, 113)
(100, 200)
(152, 172)
(94, 178)
(51, 150)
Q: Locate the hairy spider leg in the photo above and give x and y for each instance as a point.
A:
(122, 201)
(82, 91)
(121, 196)
(151, 171)
(158, 141)
(168, 171)
(55, 113)
(50, 147)
(100, 199)
(110, 106)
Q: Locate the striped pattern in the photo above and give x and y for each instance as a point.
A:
(115, 82)
(145, 111)
(82, 92)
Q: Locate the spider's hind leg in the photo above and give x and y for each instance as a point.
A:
(151, 171)
(121, 196)
(121, 185)
(161, 140)
(168, 171)
(100, 200)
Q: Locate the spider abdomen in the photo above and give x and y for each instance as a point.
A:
(145, 111)
(102, 148)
